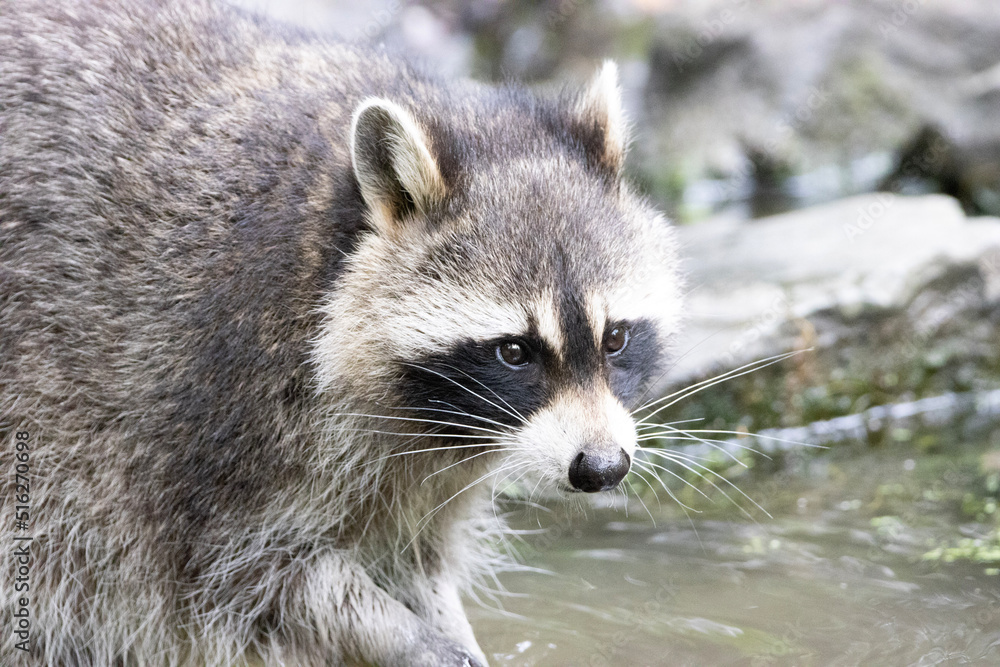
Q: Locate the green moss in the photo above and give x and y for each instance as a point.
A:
(976, 550)
(887, 368)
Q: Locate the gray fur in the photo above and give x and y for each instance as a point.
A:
(207, 309)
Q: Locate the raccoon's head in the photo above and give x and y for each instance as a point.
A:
(514, 298)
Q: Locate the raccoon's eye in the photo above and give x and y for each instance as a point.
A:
(513, 353)
(616, 340)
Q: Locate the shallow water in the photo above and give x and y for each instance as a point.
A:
(836, 576)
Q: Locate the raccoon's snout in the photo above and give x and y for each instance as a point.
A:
(598, 472)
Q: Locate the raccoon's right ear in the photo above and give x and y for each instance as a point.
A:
(599, 120)
(392, 160)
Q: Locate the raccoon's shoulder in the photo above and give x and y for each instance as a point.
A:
(141, 65)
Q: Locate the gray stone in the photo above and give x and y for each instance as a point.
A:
(812, 84)
(754, 287)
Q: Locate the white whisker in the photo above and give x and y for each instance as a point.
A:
(426, 519)
(433, 449)
(677, 458)
(639, 498)
(501, 398)
(756, 435)
(462, 413)
(659, 479)
(710, 382)
(641, 426)
(720, 445)
(674, 474)
(469, 458)
(463, 387)
(639, 473)
(423, 421)
(423, 435)
(677, 434)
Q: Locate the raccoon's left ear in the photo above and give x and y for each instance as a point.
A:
(393, 163)
(599, 119)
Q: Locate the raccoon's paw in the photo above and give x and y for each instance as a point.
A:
(441, 652)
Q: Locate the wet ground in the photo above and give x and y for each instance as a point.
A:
(871, 556)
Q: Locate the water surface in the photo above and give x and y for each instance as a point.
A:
(838, 575)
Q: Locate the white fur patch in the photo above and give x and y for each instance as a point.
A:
(547, 316)
(656, 299)
(620, 424)
(370, 319)
(597, 315)
(574, 421)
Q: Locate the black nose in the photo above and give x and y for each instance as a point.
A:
(598, 472)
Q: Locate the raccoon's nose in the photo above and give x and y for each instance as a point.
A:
(598, 472)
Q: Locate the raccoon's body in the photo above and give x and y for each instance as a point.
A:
(276, 315)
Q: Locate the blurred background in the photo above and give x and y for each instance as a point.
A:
(833, 168)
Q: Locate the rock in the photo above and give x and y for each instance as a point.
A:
(875, 275)
(816, 84)
(964, 169)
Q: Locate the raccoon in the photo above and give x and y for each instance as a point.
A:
(279, 315)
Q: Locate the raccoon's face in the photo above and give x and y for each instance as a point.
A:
(521, 309)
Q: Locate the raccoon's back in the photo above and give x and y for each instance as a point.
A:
(175, 199)
(135, 129)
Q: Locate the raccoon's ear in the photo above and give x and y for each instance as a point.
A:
(393, 162)
(600, 119)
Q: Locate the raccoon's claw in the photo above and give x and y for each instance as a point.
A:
(456, 656)
(441, 652)
(468, 660)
